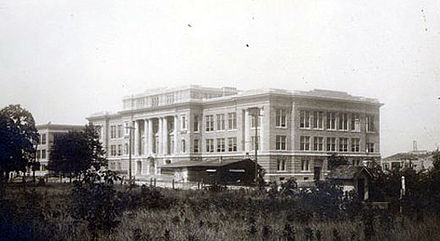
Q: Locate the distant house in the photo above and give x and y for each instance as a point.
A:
(232, 171)
(351, 178)
(417, 160)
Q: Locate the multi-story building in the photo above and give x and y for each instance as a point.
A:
(48, 132)
(295, 130)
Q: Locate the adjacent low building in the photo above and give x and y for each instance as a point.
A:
(417, 160)
(294, 132)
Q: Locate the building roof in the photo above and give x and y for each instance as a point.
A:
(51, 126)
(348, 172)
(408, 156)
(209, 163)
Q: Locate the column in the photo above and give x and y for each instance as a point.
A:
(160, 148)
(246, 131)
(175, 135)
(146, 135)
(261, 129)
(136, 138)
(150, 136)
(165, 136)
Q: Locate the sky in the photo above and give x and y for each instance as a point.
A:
(64, 60)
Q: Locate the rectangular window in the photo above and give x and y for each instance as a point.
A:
(355, 145)
(43, 139)
(318, 143)
(281, 165)
(43, 154)
(221, 145)
(112, 132)
(370, 147)
(126, 128)
(369, 121)
(317, 120)
(343, 121)
(196, 123)
(253, 143)
(305, 165)
(119, 131)
(209, 123)
(183, 146)
(331, 144)
(170, 99)
(113, 150)
(155, 101)
(331, 121)
(304, 143)
(126, 148)
(253, 121)
(196, 145)
(304, 119)
(355, 122)
(119, 150)
(220, 122)
(232, 121)
(343, 144)
(232, 144)
(280, 143)
(209, 145)
(183, 122)
(281, 118)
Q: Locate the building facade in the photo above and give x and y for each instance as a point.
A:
(48, 132)
(295, 131)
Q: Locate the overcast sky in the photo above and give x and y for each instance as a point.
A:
(63, 60)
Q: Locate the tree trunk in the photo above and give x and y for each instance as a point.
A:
(70, 178)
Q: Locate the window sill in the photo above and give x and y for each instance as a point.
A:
(281, 127)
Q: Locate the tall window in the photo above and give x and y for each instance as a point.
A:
(304, 119)
(220, 121)
(209, 145)
(183, 122)
(126, 148)
(355, 122)
(196, 123)
(43, 139)
(369, 121)
(370, 147)
(343, 144)
(281, 165)
(281, 118)
(119, 150)
(209, 123)
(305, 165)
(355, 145)
(318, 143)
(232, 144)
(281, 143)
(155, 101)
(331, 120)
(112, 132)
(196, 145)
(43, 154)
(221, 145)
(317, 120)
(331, 144)
(253, 121)
(170, 99)
(253, 143)
(232, 121)
(304, 144)
(183, 146)
(343, 121)
(126, 129)
(113, 150)
(120, 131)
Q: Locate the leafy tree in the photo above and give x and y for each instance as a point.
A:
(335, 161)
(18, 140)
(76, 152)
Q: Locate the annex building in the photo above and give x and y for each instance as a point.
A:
(295, 131)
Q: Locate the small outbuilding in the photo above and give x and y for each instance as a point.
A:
(351, 178)
(233, 171)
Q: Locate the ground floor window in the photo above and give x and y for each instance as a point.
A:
(281, 164)
(305, 165)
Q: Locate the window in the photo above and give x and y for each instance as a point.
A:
(331, 144)
(220, 121)
(126, 128)
(304, 119)
(343, 121)
(331, 120)
(232, 121)
(232, 144)
(126, 148)
(305, 165)
(119, 131)
(370, 147)
(343, 144)
(119, 150)
(318, 143)
(112, 132)
(170, 99)
(304, 143)
(355, 146)
(155, 101)
(281, 118)
(43, 139)
(209, 145)
(281, 165)
(38, 154)
(355, 122)
(369, 121)
(253, 121)
(253, 143)
(196, 145)
(196, 123)
(43, 154)
(221, 145)
(281, 143)
(119, 166)
(140, 102)
(209, 123)
(112, 166)
(317, 120)
(113, 150)
(183, 122)
(183, 146)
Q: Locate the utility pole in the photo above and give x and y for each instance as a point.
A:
(130, 128)
(256, 113)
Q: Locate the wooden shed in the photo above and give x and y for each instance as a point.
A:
(351, 177)
(221, 171)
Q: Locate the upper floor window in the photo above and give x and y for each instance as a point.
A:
(113, 150)
(209, 123)
(304, 143)
(343, 144)
(253, 143)
(280, 143)
(183, 122)
(43, 154)
(304, 119)
(170, 99)
(43, 139)
(209, 145)
(318, 120)
(281, 118)
(254, 122)
(232, 121)
(369, 121)
(331, 120)
(220, 121)
(281, 164)
(154, 100)
(119, 131)
(355, 146)
(370, 147)
(331, 144)
(355, 122)
(112, 132)
(126, 128)
(196, 123)
(221, 145)
(343, 121)
(305, 165)
(318, 143)
(183, 146)
(232, 144)
(119, 150)
(196, 145)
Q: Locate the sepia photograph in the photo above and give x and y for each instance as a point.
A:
(196, 120)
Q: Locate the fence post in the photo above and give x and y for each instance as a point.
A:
(151, 181)
(173, 183)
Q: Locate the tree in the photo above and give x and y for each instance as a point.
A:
(334, 161)
(18, 140)
(76, 152)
